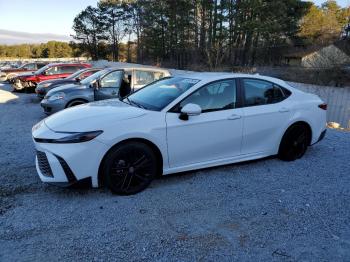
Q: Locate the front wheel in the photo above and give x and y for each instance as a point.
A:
(294, 143)
(130, 168)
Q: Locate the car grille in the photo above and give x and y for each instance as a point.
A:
(44, 165)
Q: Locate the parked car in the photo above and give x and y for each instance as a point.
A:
(177, 124)
(48, 72)
(43, 87)
(9, 74)
(102, 85)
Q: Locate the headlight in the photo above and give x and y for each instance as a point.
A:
(56, 96)
(72, 138)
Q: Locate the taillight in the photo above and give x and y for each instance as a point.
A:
(323, 106)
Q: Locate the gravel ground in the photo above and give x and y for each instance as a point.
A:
(265, 210)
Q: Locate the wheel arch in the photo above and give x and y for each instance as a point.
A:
(298, 122)
(76, 99)
(149, 143)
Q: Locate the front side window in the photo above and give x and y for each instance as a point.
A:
(159, 94)
(112, 80)
(52, 71)
(259, 92)
(214, 97)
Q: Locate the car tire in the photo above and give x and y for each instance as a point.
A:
(130, 168)
(295, 142)
(75, 103)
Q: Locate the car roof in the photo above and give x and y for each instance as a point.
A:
(214, 76)
(145, 68)
(69, 64)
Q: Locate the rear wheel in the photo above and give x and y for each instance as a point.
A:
(75, 103)
(130, 168)
(294, 142)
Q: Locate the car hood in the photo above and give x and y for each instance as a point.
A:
(53, 81)
(92, 116)
(65, 87)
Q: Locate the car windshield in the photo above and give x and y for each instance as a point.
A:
(93, 77)
(159, 94)
(41, 70)
(76, 74)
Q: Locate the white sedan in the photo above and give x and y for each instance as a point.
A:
(177, 124)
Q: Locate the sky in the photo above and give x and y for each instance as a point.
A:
(32, 21)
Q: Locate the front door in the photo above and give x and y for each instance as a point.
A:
(109, 85)
(214, 134)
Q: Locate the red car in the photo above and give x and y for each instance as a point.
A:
(49, 72)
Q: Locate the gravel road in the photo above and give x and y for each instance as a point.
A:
(265, 210)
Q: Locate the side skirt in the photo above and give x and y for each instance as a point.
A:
(217, 162)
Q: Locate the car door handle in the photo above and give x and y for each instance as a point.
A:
(234, 117)
(114, 93)
(284, 110)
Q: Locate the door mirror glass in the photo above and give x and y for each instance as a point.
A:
(190, 110)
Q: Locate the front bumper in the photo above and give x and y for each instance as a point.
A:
(51, 107)
(40, 92)
(65, 164)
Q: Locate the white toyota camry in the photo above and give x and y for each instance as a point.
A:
(177, 124)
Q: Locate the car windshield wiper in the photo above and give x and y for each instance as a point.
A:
(135, 103)
(130, 102)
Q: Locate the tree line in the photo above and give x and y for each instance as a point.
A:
(213, 32)
(51, 49)
(188, 32)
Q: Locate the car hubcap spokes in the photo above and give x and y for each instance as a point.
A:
(298, 144)
(132, 172)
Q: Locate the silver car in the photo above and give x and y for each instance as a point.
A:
(105, 84)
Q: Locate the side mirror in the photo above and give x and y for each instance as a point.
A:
(77, 79)
(190, 110)
(45, 73)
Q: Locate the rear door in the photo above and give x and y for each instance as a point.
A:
(109, 85)
(266, 113)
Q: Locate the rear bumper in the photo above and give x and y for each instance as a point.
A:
(321, 137)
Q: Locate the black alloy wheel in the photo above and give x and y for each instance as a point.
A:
(130, 168)
(294, 142)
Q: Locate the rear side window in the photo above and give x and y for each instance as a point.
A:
(260, 92)
(146, 77)
(68, 69)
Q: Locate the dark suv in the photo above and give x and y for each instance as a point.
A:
(45, 86)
